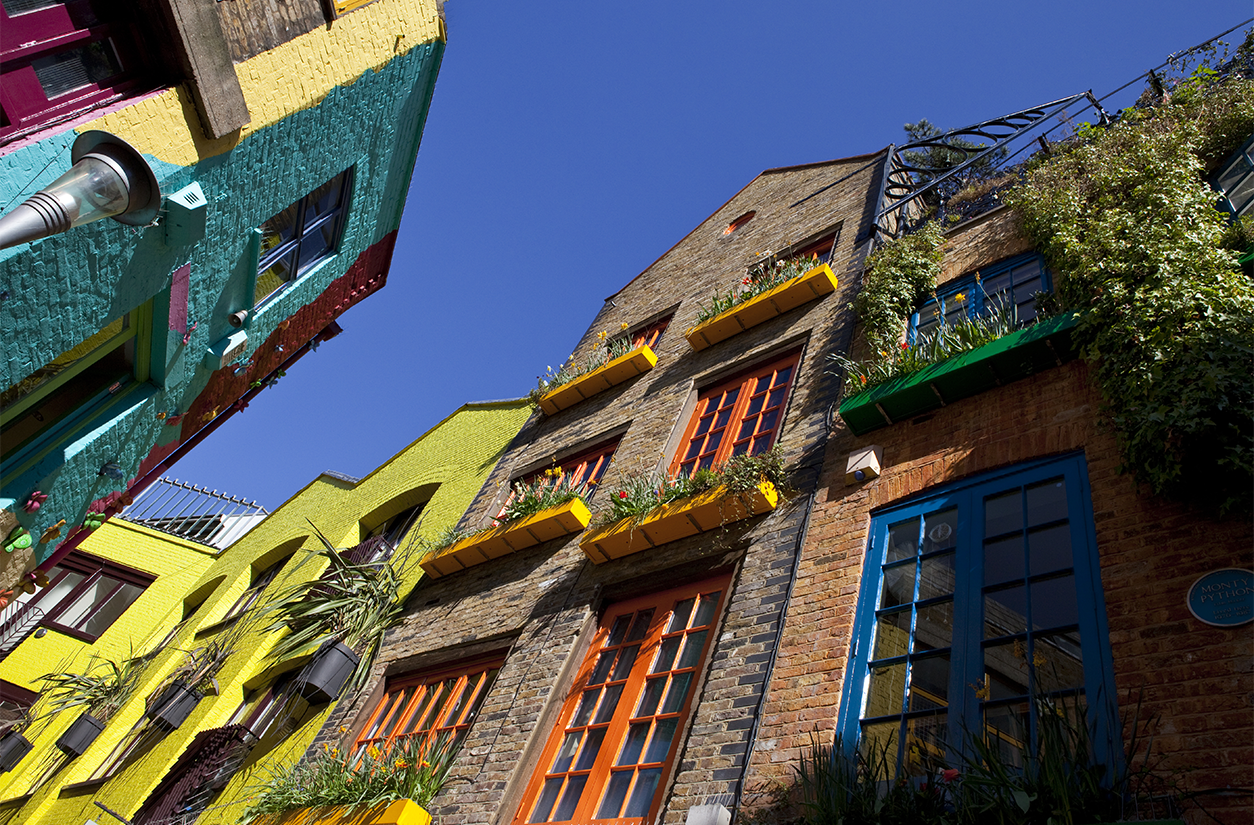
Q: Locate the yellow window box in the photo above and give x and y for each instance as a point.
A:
(774, 302)
(640, 360)
(546, 525)
(400, 812)
(677, 520)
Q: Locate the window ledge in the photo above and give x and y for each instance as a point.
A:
(546, 525)
(623, 368)
(677, 520)
(1009, 358)
(400, 812)
(774, 302)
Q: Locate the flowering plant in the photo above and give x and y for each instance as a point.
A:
(636, 494)
(412, 769)
(763, 276)
(605, 350)
(551, 488)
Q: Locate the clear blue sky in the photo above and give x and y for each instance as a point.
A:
(572, 142)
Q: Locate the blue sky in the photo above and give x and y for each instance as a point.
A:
(570, 144)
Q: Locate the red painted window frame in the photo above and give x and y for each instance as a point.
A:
(652, 646)
(735, 397)
(92, 569)
(649, 335)
(410, 694)
(585, 468)
(26, 38)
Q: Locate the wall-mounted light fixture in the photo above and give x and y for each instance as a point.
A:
(108, 178)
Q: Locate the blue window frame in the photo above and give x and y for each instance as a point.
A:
(1013, 282)
(301, 235)
(975, 600)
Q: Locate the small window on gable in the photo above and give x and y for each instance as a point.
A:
(1012, 285)
(434, 702)
(740, 415)
(261, 579)
(383, 540)
(739, 222)
(301, 235)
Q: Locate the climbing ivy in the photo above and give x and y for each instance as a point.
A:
(1128, 225)
(900, 275)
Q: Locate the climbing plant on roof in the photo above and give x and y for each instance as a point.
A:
(1128, 225)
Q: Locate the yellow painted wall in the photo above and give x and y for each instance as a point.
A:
(452, 460)
(165, 126)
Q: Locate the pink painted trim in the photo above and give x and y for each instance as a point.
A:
(73, 123)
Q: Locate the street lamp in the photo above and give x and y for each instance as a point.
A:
(108, 179)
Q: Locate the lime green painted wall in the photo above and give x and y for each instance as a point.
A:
(449, 463)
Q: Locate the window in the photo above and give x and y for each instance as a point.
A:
(263, 706)
(739, 222)
(260, 581)
(444, 701)
(61, 58)
(86, 595)
(1013, 283)
(740, 415)
(583, 469)
(648, 335)
(301, 235)
(939, 652)
(620, 727)
(820, 250)
(79, 378)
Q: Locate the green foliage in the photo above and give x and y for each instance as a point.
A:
(360, 781)
(101, 690)
(606, 350)
(763, 277)
(635, 495)
(1127, 223)
(900, 274)
(550, 489)
(351, 603)
(843, 788)
(932, 347)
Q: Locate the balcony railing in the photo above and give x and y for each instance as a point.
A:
(194, 513)
(17, 621)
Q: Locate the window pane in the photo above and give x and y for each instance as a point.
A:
(651, 696)
(660, 744)
(94, 595)
(591, 747)
(1006, 669)
(936, 576)
(551, 789)
(892, 634)
(879, 743)
(619, 631)
(888, 687)
(1005, 612)
(99, 621)
(903, 540)
(666, 654)
(626, 658)
(566, 754)
(586, 703)
(1003, 560)
(1049, 549)
(1054, 603)
(929, 683)
(1047, 501)
(940, 530)
(634, 745)
(925, 744)
(678, 693)
(1003, 513)
(602, 671)
(692, 649)
(679, 616)
(642, 794)
(641, 625)
(1057, 661)
(934, 626)
(608, 704)
(705, 609)
(615, 794)
(66, 71)
(898, 586)
(57, 593)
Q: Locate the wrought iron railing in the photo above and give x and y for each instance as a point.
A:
(17, 621)
(194, 513)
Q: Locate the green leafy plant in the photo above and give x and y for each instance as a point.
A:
(900, 274)
(410, 770)
(1127, 223)
(100, 690)
(763, 276)
(353, 603)
(634, 495)
(931, 347)
(605, 350)
(550, 489)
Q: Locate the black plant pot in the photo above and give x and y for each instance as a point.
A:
(13, 746)
(323, 678)
(174, 705)
(80, 734)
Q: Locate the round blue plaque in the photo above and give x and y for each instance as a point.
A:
(1224, 598)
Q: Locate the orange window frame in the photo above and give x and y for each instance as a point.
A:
(608, 758)
(820, 249)
(742, 414)
(586, 468)
(431, 703)
(649, 335)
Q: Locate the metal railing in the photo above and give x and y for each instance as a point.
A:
(194, 513)
(17, 621)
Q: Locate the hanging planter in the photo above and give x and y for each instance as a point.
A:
(13, 746)
(78, 737)
(328, 671)
(174, 705)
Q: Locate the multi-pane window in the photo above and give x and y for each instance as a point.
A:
(621, 724)
(86, 595)
(260, 581)
(435, 703)
(61, 58)
(975, 602)
(583, 470)
(740, 415)
(820, 251)
(1011, 285)
(649, 335)
(302, 234)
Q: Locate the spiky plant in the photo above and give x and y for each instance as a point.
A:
(99, 690)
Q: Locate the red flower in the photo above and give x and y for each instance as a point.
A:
(904, 345)
(950, 774)
(622, 494)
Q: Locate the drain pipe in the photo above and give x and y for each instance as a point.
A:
(143, 482)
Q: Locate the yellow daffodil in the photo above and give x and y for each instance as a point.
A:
(623, 325)
(960, 297)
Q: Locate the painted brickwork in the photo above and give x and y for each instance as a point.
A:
(1197, 680)
(445, 467)
(542, 603)
(337, 95)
